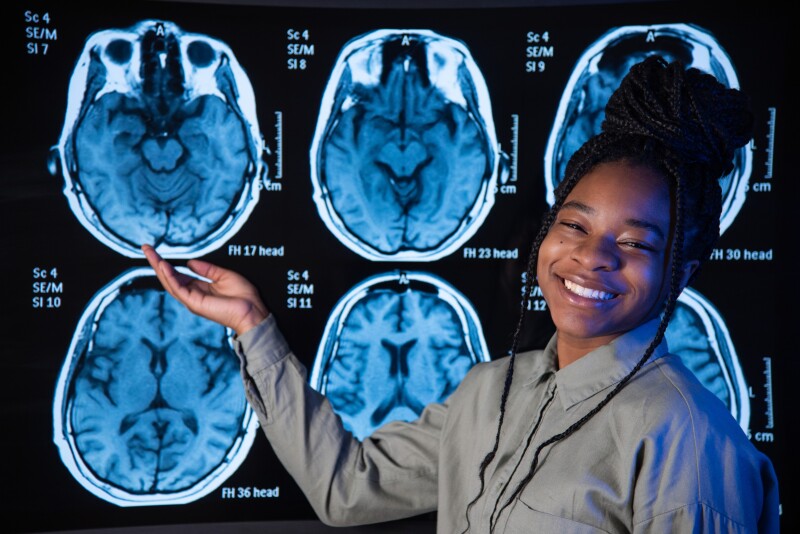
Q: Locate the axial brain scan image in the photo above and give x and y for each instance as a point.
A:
(697, 333)
(160, 142)
(599, 71)
(149, 406)
(393, 344)
(404, 160)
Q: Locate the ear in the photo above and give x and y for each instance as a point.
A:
(689, 268)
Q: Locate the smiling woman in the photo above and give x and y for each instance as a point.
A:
(604, 430)
(633, 220)
(601, 267)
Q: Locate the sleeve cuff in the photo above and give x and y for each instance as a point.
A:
(262, 346)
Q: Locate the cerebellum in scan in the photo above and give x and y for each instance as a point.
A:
(600, 69)
(405, 160)
(393, 344)
(149, 406)
(160, 142)
(698, 334)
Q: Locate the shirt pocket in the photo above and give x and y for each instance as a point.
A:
(524, 519)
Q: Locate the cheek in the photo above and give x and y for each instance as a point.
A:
(653, 280)
(549, 254)
(550, 250)
(543, 256)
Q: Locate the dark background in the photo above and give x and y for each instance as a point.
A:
(40, 230)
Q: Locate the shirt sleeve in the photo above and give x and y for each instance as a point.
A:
(701, 517)
(390, 475)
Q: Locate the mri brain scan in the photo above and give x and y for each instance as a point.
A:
(149, 406)
(698, 334)
(599, 71)
(393, 344)
(160, 142)
(404, 160)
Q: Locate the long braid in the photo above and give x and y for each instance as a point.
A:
(574, 175)
(528, 441)
(657, 119)
(528, 286)
(672, 298)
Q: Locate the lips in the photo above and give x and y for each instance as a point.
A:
(585, 292)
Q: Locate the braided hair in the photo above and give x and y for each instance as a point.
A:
(685, 125)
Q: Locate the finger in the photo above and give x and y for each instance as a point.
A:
(213, 276)
(155, 261)
(177, 284)
(169, 278)
(151, 255)
(206, 269)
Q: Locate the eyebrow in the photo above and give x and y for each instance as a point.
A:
(637, 223)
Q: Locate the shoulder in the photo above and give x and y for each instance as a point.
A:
(685, 434)
(482, 378)
(666, 394)
(487, 375)
(480, 391)
(675, 412)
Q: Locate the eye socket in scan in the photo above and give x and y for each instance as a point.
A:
(143, 414)
(393, 344)
(160, 143)
(404, 160)
(600, 69)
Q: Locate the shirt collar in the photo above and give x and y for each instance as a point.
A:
(604, 366)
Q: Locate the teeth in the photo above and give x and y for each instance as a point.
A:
(586, 292)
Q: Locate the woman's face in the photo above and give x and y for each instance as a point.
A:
(602, 265)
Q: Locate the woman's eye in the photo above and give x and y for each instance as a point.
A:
(572, 226)
(638, 245)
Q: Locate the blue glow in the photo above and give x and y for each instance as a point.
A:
(394, 344)
(698, 334)
(598, 72)
(160, 142)
(144, 414)
(404, 158)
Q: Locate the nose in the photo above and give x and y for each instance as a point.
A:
(597, 253)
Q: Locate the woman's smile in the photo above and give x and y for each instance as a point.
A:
(601, 266)
(585, 292)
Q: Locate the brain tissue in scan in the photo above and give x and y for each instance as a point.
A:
(404, 160)
(599, 71)
(160, 143)
(697, 333)
(393, 344)
(149, 406)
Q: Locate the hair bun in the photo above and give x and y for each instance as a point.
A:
(698, 117)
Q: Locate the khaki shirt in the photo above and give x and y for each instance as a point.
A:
(664, 455)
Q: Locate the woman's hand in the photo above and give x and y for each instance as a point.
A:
(228, 299)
